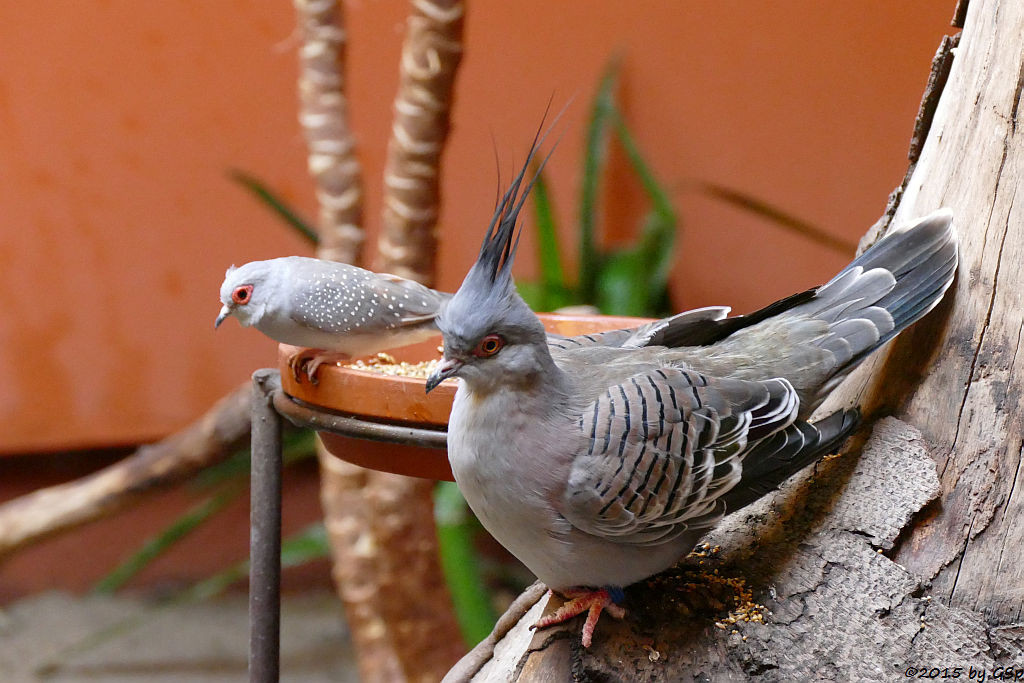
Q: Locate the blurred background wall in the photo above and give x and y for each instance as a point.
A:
(119, 121)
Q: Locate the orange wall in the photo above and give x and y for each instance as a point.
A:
(118, 120)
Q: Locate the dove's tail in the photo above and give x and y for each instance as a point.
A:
(887, 288)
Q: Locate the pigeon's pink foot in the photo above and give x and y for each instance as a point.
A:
(593, 602)
(308, 361)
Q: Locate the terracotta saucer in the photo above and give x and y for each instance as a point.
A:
(403, 400)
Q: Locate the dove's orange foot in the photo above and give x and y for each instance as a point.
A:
(593, 602)
(308, 361)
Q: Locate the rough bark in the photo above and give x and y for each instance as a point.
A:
(355, 559)
(323, 114)
(965, 396)
(857, 588)
(418, 607)
(57, 509)
(430, 58)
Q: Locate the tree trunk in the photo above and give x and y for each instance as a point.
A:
(380, 525)
(323, 113)
(431, 54)
(853, 586)
(965, 397)
(419, 610)
(334, 167)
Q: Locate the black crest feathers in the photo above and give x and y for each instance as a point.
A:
(502, 239)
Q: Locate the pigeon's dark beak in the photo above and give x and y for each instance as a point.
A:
(225, 311)
(448, 368)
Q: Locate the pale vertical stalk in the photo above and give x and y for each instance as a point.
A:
(336, 173)
(323, 113)
(430, 59)
(355, 554)
(380, 526)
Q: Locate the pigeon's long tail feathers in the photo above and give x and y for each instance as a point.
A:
(887, 288)
(921, 258)
(781, 455)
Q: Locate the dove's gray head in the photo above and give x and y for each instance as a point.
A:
(246, 291)
(491, 337)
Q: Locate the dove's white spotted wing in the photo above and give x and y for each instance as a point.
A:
(664, 447)
(339, 299)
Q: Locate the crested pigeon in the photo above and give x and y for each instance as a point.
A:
(600, 461)
(335, 309)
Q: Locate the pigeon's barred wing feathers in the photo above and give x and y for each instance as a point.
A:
(664, 447)
(776, 458)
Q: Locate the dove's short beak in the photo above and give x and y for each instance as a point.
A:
(225, 311)
(447, 368)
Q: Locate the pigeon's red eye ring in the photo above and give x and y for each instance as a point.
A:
(488, 346)
(242, 294)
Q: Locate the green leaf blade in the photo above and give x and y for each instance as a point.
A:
(553, 291)
(779, 217)
(270, 199)
(455, 531)
(595, 159)
(162, 542)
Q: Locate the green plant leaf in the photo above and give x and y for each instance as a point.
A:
(270, 199)
(657, 194)
(297, 445)
(656, 256)
(660, 225)
(298, 549)
(622, 286)
(779, 217)
(553, 292)
(305, 546)
(236, 466)
(229, 475)
(456, 529)
(532, 293)
(595, 158)
(158, 545)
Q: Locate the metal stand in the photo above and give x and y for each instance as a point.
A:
(265, 533)
(269, 404)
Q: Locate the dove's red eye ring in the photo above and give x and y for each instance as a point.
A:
(488, 346)
(242, 294)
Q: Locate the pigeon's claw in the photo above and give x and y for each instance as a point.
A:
(593, 602)
(308, 361)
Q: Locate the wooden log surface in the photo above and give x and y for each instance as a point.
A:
(964, 395)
